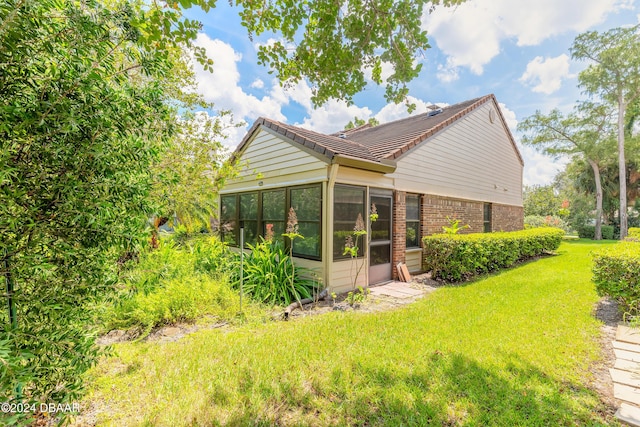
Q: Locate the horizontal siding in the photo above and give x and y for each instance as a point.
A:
(413, 260)
(473, 159)
(268, 157)
(314, 268)
(353, 176)
(342, 276)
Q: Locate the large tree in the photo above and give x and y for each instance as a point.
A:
(89, 100)
(613, 74)
(582, 133)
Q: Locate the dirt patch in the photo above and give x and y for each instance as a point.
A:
(606, 311)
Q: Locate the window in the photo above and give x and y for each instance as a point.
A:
(263, 210)
(307, 202)
(347, 204)
(228, 219)
(487, 217)
(248, 216)
(413, 221)
(273, 213)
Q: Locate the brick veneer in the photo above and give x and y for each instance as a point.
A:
(399, 241)
(434, 212)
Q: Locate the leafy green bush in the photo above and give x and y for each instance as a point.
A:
(458, 256)
(589, 232)
(634, 232)
(616, 273)
(176, 282)
(535, 221)
(267, 275)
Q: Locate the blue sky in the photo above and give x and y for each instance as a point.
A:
(515, 49)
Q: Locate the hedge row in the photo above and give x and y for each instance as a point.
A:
(458, 256)
(616, 273)
(634, 232)
(589, 232)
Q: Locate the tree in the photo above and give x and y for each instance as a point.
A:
(614, 75)
(192, 170)
(581, 133)
(357, 122)
(541, 200)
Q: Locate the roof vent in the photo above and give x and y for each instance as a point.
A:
(343, 135)
(433, 110)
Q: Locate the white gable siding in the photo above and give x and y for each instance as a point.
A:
(472, 159)
(275, 162)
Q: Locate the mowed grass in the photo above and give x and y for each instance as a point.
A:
(511, 349)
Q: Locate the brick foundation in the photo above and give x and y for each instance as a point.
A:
(399, 241)
(507, 218)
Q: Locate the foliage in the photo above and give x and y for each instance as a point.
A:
(340, 368)
(357, 297)
(292, 233)
(176, 282)
(192, 169)
(634, 232)
(585, 134)
(616, 273)
(454, 226)
(269, 275)
(588, 232)
(535, 221)
(459, 256)
(541, 201)
(352, 241)
(613, 74)
(357, 122)
(83, 116)
(335, 45)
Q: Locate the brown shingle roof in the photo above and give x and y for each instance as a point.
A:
(376, 144)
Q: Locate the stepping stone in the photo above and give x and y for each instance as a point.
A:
(629, 414)
(627, 334)
(625, 377)
(627, 355)
(627, 393)
(626, 346)
(627, 365)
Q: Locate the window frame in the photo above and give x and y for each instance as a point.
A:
(416, 221)
(261, 222)
(338, 254)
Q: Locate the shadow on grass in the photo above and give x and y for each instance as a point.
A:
(445, 390)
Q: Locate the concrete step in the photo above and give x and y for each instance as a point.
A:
(627, 355)
(625, 377)
(627, 393)
(627, 365)
(629, 414)
(621, 345)
(627, 334)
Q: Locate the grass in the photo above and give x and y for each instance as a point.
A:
(511, 349)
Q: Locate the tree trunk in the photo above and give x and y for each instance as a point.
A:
(596, 174)
(622, 167)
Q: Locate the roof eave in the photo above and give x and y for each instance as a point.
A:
(383, 166)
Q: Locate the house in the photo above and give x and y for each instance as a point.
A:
(459, 161)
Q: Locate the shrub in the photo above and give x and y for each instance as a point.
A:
(589, 232)
(616, 273)
(634, 232)
(267, 275)
(455, 257)
(535, 221)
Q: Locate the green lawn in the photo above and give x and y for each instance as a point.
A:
(512, 349)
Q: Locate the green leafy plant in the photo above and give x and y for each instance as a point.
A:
(616, 273)
(454, 226)
(459, 256)
(292, 234)
(357, 297)
(352, 242)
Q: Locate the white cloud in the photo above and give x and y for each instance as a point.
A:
(470, 34)
(540, 169)
(333, 116)
(509, 117)
(393, 111)
(257, 84)
(447, 73)
(546, 73)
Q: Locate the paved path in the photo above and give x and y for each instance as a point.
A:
(396, 289)
(626, 374)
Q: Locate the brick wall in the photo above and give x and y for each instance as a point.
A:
(399, 241)
(507, 218)
(435, 210)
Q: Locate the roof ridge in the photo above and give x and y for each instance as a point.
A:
(325, 135)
